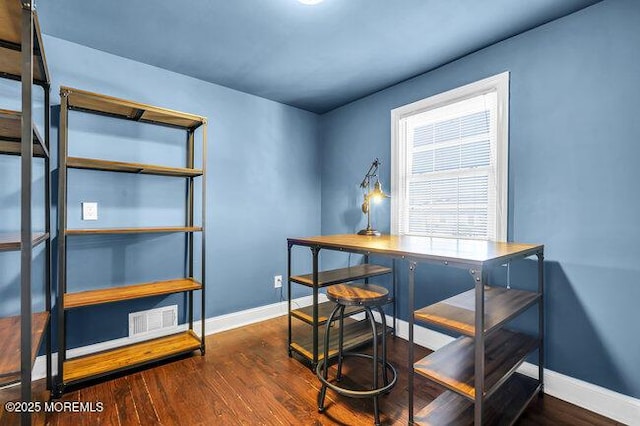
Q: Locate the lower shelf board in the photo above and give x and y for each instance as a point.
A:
(10, 338)
(356, 333)
(324, 310)
(110, 361)
(453, 365)
(502, 408)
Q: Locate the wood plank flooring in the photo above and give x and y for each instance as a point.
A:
(247, 378)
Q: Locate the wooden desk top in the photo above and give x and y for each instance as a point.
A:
(433, 249)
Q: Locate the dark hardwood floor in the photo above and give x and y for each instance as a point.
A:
(247, 378)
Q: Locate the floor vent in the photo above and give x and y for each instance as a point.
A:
(153, 321)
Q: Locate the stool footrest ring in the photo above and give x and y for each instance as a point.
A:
(358, 393)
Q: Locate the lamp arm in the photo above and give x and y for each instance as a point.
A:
(371, 173)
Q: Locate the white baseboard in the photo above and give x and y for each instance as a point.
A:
(614, 405)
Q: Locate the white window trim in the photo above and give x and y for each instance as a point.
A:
(499, 83)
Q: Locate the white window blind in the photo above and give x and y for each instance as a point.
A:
(449, 165)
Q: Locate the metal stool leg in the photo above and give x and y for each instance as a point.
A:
(340, 343)
(376, 408)
(325, 363)
(384, 345)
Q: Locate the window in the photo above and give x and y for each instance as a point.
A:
(449, 163)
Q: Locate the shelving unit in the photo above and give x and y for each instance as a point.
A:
(356, 333)
(478, 370)
(77, 370)
(22, 59)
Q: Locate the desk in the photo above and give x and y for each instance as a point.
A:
(479, 368)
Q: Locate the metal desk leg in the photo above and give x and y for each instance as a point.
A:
(480, 281)
(315, 251)
(289, 298)
(540, 256)
(412, 278)
(395, 297)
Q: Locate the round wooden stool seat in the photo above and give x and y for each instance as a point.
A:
(357, 294)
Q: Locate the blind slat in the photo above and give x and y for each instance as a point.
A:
(457, 204)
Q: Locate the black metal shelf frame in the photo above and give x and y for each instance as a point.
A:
(189, 227)
(30, 44)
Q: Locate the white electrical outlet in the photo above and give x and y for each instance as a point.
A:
(277, 281)
(90, 211)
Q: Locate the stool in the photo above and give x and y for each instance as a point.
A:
(368, 296)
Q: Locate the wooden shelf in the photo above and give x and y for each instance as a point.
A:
(324, 310)
(118, 166)
(342, 275)
(502, 408)
(11, 135)
(126, 357)
(10, 48)
(10, 338)
(10, 241)
(453, 365)
(356, 334)
(142, 230)
(458, 312)
(137, 291)
(82, 100)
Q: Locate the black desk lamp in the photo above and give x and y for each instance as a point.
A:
(376, 194)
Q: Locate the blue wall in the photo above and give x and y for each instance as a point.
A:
(262, 179)
(574, 146)
(575, 94)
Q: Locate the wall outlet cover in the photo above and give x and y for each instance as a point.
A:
(90, 211)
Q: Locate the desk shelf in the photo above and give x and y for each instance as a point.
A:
(342, 275)
(502, 408)
(324, 310)
(356, 334)
(453, 365)
(458, 312)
